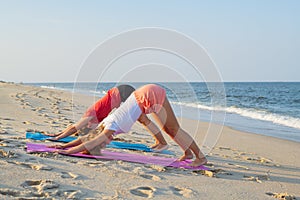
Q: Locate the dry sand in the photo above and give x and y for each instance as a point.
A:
(243, 165)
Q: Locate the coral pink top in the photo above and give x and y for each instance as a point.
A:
(104, 106)
(150, 98)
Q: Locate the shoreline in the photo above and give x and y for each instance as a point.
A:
(243, 165)
(243, 119)
(91, 100)
(265, 135)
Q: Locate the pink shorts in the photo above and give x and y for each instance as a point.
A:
(150, 98)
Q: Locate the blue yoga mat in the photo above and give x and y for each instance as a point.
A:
(112, 144)
(40, 136)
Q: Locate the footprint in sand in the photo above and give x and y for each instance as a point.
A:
(53, 122)
(12, 143)
(7, 192)
(27, 122)
(69, 175)
(70, 194)
(19, 95)
(259, 160)
(3, 132)
(40, 185)
(281, 195)
(257, 178)
(67, 109)
(40, 109)
(157, 168)
(44, 115)
(3, 162)
(181, 191)
(30, 159)
(40, 189)
(57, 112)
(37, 167)
(2, 145)
(143, 191)
(239, 166)
(7, 119)
(54, 126)
(25, 194)
(61, 118)
(7, 154)
(151, 177)
(26, 103)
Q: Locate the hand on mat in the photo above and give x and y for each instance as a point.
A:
(53, 139)
(62, 151)
(52, 134)
(56, 146)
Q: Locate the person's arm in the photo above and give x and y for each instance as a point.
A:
(69, 144)
(68, 131)
(104, 137)
(72, 129)
(54, 134)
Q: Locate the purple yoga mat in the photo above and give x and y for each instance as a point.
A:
(129, 157)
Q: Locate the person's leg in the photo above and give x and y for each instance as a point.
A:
(160, 142)
(168, 121)
(71, 129)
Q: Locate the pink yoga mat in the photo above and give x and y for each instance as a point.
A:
(129, 157)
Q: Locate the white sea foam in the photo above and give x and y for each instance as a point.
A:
(194, 105)
(250, 113)
(49, 87)
(266, 116)
(98, 93)
(55, 88)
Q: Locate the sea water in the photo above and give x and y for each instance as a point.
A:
(268, 108)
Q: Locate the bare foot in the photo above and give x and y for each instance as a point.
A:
(154, 145)
(85, 152)
(160, 147)
(199, 161)
(185, 157)
(157, 143)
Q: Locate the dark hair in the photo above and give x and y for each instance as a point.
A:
(125, 91)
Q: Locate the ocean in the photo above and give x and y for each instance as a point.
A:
(267, 108)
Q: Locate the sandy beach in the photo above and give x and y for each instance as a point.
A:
(242, 165)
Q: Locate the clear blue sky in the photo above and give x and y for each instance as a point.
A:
(251, 40)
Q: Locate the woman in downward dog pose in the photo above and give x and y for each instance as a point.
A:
(145, 100)
(97, 112)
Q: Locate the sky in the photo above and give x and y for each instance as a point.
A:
(50, 41)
